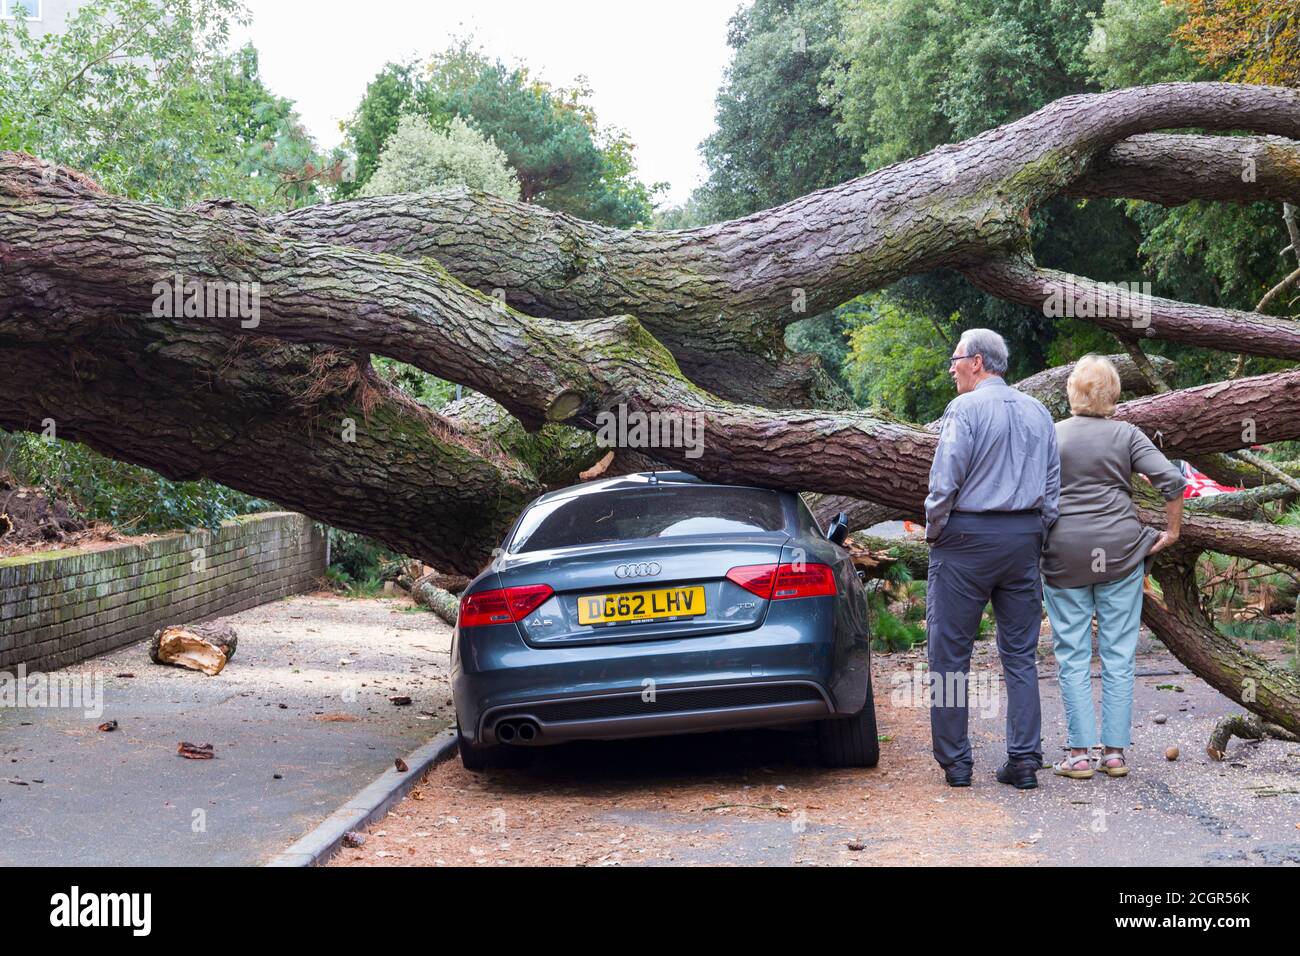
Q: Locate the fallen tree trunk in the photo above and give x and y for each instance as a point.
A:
(257, 405)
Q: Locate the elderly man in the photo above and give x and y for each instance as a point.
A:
(994, 490)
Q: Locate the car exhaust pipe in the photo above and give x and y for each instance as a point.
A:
(527, 731)
(505, 731)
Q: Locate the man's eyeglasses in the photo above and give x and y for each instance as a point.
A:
(958, 358)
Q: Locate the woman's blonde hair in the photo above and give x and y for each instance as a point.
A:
(1093, 387)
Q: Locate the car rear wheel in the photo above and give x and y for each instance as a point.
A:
(472, 757)
(850, 741)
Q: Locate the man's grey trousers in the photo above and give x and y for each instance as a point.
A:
(978, 558)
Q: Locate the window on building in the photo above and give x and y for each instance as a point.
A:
(31, 9)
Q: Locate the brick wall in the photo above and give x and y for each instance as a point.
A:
(61, 607)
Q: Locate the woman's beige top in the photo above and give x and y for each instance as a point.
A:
(1097, 537)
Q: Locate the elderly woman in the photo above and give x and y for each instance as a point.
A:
(1096, 558)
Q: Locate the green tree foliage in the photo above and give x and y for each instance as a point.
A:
(1132, 45)
(419, 158)
(775, 138)
(426, 389)
(897, 360)
(563, 158)
(141, 95)
(912, 74)
(132, 499)
(393, 91)
(279, 161)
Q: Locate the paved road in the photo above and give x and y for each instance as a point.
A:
(70, 794)
(286, 704)
(760, 798)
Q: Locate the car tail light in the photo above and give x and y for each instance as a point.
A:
(755, 578)
(502, 605)
(783, 582)
(803, 580)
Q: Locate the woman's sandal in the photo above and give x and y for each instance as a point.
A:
(1069, 767)
(1103, 764)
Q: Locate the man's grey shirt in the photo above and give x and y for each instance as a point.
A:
(997, 452)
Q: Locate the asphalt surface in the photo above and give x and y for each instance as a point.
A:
(287, 704)
(760, 798)
(307, 698)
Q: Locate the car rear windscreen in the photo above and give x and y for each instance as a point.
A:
(661, 511)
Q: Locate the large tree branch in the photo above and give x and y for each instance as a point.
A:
(101, 267)
(1245, 677)
(719, 296)
(1133, 314)
(1172, 169)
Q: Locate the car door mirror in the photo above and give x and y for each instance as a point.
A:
(839, 529)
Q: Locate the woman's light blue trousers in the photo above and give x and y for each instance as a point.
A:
(1118, 609)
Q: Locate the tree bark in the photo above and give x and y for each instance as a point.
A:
(1171, 169)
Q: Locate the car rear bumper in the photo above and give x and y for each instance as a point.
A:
(786, 670)
(670, 711)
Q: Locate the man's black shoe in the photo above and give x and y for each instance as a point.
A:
(1021, 774)
(957, 777)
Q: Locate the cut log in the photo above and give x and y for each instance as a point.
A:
(200, 647)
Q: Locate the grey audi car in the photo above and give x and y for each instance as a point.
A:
(657, 604)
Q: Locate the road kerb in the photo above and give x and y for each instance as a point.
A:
(317, 846)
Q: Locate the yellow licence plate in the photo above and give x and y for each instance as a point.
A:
(641, 605)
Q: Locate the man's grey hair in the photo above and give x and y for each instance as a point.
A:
(987, 343)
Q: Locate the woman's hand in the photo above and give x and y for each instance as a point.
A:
(1173, 521)
(1165, 540)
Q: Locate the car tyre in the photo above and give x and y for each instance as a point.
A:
(473, 757)
(850, 741)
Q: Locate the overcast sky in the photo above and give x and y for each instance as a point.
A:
(654, 67)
